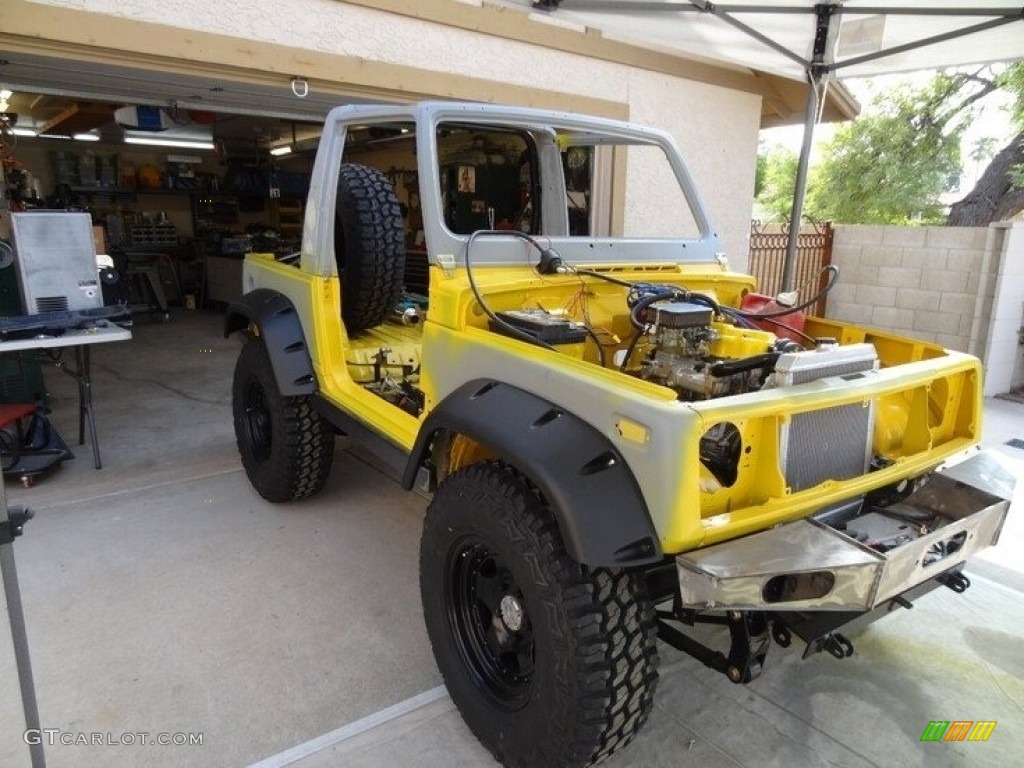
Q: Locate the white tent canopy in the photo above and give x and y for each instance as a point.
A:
(816, 41)
(858, 38)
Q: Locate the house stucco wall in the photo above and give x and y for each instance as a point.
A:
(715, 126)
(1001, 337)
(717, 131)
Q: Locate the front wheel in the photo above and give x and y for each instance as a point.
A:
(549, 662)
(286, 446)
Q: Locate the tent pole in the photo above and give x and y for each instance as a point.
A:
(814, 77)
(12, 520)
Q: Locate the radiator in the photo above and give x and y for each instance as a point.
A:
(830, 443)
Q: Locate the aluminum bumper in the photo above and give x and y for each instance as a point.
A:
(807, 565)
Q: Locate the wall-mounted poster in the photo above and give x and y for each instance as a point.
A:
(467, 179)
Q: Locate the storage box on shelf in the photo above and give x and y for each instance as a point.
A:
(153, 235)
(286, 217)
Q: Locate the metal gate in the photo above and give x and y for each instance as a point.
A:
(813, 253)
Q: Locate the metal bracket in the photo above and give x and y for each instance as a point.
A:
(781, 634)
(447, 263)
(749, 646)
(12, 528)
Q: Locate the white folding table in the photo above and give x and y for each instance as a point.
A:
(81, 340)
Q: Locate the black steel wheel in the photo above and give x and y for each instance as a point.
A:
(550, 663)
(286, 446)
(493, 634)
(256, 419)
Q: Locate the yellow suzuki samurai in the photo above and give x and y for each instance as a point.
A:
(527, 314)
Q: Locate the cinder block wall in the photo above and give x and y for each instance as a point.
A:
(929, 283)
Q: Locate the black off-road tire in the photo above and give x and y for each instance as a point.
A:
(369, 245)
(549, 662)
(286, 446)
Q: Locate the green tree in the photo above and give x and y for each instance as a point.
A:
(892, 164)
(999, 192)
(776, 178)
(984, 149)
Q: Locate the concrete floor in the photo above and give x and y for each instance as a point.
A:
(163, 595)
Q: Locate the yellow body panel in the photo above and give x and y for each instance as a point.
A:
(927, 400)
(318, 303)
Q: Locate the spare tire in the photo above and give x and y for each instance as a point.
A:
(369, 246)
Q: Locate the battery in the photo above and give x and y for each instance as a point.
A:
(543, 325)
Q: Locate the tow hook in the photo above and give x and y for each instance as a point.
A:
(836, 643)
(955, 580)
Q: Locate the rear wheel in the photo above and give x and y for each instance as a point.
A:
(550, 663)
(286, 446)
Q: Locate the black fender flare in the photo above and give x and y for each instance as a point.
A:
(281, 331)
(594, 495)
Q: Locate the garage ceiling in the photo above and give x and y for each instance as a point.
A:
(47, 87)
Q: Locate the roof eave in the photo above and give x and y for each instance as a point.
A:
(785, 101)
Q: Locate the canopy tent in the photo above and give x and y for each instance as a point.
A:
(800, 39)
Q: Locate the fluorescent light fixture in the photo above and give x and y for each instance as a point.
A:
(156, 141)
(191, 138)
(32, 134)
(279, 151)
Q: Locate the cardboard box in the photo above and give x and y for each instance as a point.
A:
(99, 239)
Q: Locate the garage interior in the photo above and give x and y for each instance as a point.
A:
(216, 180)
(162, 594)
